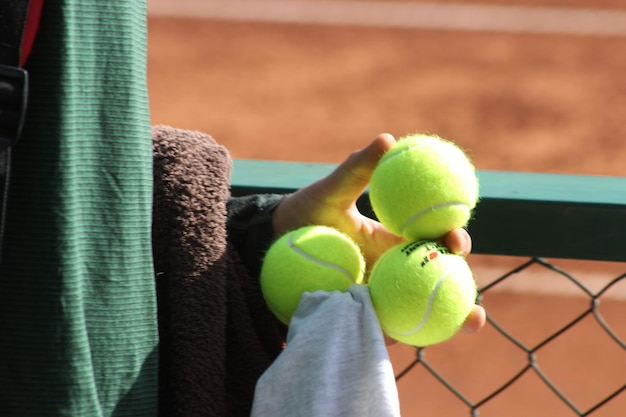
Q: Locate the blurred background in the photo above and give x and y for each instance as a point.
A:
(522, 85)
(270, 83)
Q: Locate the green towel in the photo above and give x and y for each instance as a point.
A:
(77, 305)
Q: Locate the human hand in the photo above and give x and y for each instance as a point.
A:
(331, 201)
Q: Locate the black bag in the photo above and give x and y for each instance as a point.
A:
(13, 91)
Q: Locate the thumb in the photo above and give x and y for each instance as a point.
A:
(348, 181)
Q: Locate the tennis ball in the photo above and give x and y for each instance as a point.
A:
(308, 259)
(421, 293)
(423, 187)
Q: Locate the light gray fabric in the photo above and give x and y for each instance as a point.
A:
(335, 363)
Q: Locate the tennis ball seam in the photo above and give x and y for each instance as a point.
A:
(430, 171)
(318, 261)
(426, 210)
(388, 156)
(429, 307)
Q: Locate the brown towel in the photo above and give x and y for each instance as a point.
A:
(216, 335)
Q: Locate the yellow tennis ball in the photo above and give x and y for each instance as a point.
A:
(421, 292)
(308, 259)
(423, 187)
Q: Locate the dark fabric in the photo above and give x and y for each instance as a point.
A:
(250, 227)
(12, 22)
(216, 334)
(78, 329)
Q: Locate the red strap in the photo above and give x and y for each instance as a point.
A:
(30, 31)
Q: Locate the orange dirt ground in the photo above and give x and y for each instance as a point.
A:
(315, 93)
(536, 103)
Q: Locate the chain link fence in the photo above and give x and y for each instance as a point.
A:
(578, 326)
(548, 255)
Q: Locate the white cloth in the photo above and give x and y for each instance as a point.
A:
(335, 363)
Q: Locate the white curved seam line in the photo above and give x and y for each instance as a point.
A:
(331, 265)
(429, 308)
(409, 148)
(428, 209)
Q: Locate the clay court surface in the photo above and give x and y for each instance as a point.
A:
(516, 101)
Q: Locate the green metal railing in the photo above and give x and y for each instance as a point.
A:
(532, 217)
(521, 214)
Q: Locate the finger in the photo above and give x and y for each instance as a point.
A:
(475, 321)
(458, 241)
(348, 181)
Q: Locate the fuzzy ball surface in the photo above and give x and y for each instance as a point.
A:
(423, 187)
(421, 292)
(308, 259)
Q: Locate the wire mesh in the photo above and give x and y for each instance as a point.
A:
(559, 381)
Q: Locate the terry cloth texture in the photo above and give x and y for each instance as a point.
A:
(217, 335)
(78, 330)
(335, 364)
